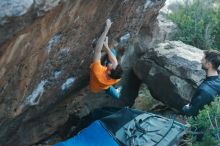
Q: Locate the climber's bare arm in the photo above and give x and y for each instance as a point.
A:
(111, 56)
(99, 45)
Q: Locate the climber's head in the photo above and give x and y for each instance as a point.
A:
(114, 73)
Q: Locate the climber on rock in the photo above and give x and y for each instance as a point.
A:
(209, 88)
(103, 77)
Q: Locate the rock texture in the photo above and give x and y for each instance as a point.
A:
(45, 55)
(145, 101)
(171, 70)
(16, 15)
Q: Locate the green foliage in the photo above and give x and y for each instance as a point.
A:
(208, 120)
(198, 23)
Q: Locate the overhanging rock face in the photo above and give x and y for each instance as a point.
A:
(171, 70)
(45, 55)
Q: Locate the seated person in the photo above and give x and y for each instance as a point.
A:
(209, 88)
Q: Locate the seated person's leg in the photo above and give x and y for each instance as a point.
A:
(112, 92)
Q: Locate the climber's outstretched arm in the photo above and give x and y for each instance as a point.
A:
(112, 58)
(99, 45)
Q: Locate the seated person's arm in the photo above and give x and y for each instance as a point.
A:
(198, 102)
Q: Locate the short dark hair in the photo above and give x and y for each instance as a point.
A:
(213, 56)
(116, 73)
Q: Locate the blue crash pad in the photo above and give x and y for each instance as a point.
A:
(94, 135)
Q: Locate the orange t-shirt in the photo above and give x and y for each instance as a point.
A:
(99, 79)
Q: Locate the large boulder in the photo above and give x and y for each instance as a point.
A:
(172, 71)
(45, 54)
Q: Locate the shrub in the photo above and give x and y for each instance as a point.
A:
(208, 121)
(198, 23)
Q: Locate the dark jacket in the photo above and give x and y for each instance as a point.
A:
(204, 94)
